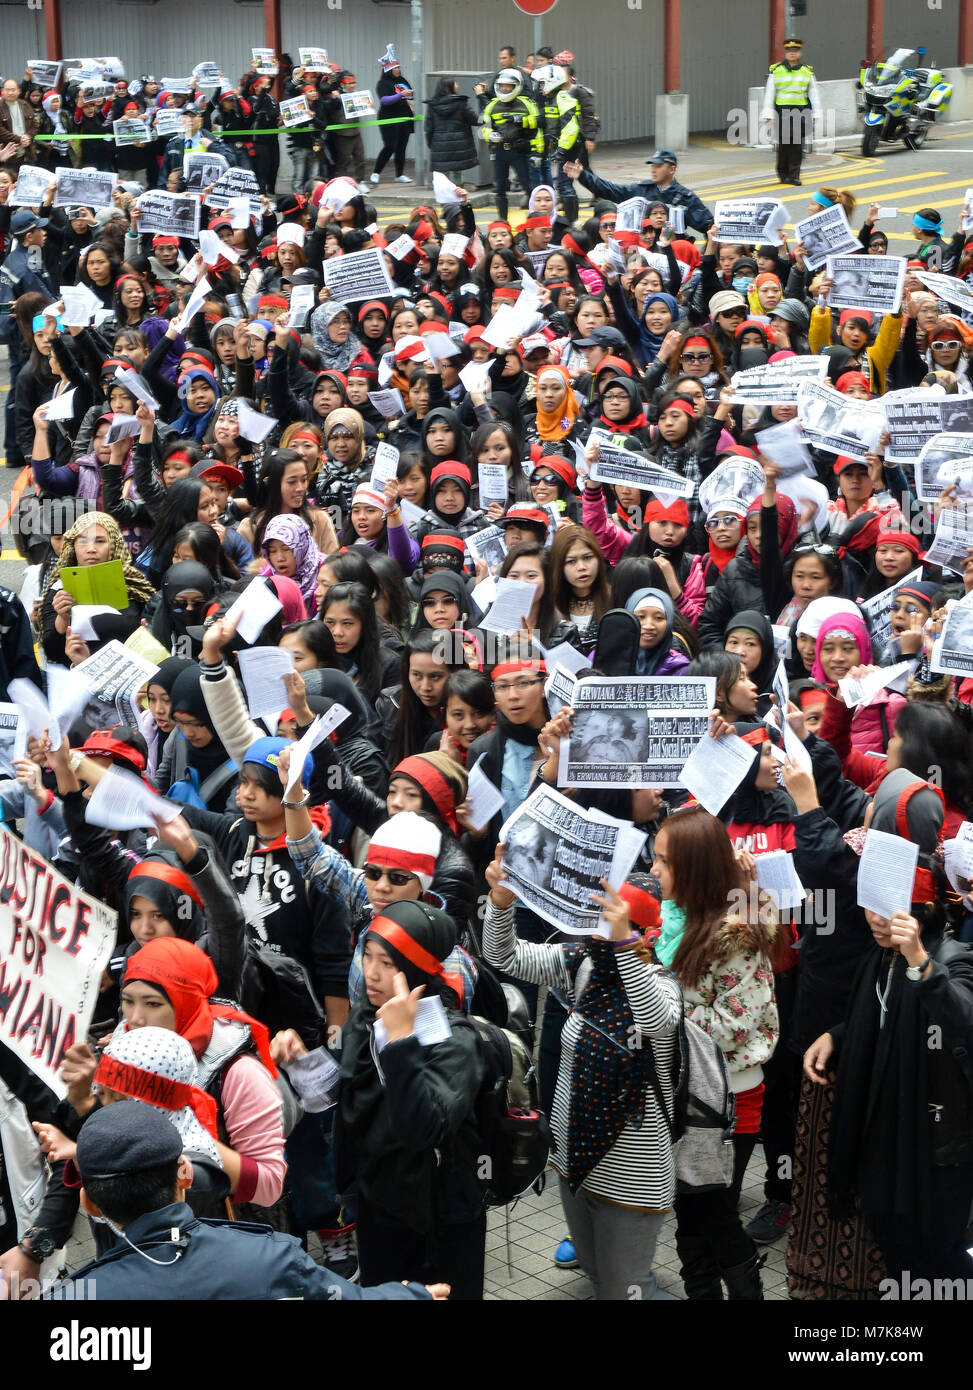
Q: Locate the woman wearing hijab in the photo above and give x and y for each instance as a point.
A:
(155, 723)
(200, 394)
(658, 653)
(557, 417)
(94, 539)
(193, 752)
(750, 636)
(901, 1130)
(645, 336)
(187, 588)
(345, 465)
(843, 643)
(333, 338)
(290, 550)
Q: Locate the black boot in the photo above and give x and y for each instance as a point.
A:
(570, 201)
(502, 206)
(743, 1281)
(700, 1272)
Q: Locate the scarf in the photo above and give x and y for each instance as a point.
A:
(56, 119)
(786, 525)
(608, 1078)
(187, 696)
(189, 425)
(673, 926)
(334, 356)
(652, 342)
(849, 623)
(138, 588)
(720, 558)
(648, 661)
(293, 531)
(555, 424)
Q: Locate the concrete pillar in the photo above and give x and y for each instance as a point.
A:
(875, 27)
(672, 120)
(672, 44)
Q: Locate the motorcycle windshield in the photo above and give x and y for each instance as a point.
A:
(890, 69)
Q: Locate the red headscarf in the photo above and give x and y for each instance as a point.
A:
(786, 525)
(188, 978)
(294, 608)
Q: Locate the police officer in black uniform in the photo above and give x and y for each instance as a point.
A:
(135, 1177)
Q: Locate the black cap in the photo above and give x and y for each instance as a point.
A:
(125, 1138)
(603, 336)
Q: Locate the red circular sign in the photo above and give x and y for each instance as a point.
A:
(535, 7)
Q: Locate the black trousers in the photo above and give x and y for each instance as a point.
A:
(791, 127)
(394, 141)
(782, 1087)
(449, 1254)
(266, 165)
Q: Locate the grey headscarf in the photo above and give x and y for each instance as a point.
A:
(334, 356)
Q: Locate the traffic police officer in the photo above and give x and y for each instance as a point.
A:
(790, 92)
(511, 125)
(563, 141)
(165, 1251)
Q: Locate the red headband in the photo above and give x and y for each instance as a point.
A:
(103, 744)
(160, 1091)
(678, 513)
(306, 433)
(757, 736)
(510, 668)
(680, 404)
(432, 781)
(535, 223)
(505, 225)
(450, 468)
(904, 538)
(453, 542)
(369, 306)
(179, 456)
(400, 940)
(812, 697)
(170, 875)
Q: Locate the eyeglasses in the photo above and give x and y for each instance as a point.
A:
(397, 877)
(697, 357)
(715, 522)
(946, 343)
(518, 687)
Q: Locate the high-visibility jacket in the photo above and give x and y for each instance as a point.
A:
(517, 123)
(562, 120)
(791, 87)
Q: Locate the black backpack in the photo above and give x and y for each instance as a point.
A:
(514, 1132)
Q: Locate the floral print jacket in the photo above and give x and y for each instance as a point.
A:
(734, 1003)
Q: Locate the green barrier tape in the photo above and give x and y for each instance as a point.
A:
(272, 130)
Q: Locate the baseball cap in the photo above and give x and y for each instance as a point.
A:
(126, 1137)
(662, 157)
(26, 221)
(603, 336)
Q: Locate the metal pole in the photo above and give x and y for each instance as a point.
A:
(778, 29)
(52, 29)
(538, 33)
(272, 37)
(873, 33)
(671, 45)
(419, 87)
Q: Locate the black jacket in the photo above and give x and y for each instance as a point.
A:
(450, 122)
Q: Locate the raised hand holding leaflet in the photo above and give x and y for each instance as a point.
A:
(863, 689)
(510, 609)
(133, 383)
(302, 302)
(444, 190)
(122, 801)
(254, 608)
(388, 403)
(122, 427)
(263, 670)
(886, 872)
(252, 425)
(475, 376)
(323, 726)
(61, 407)
(715, 769)
(315, 1078)
(384, 466)
(486, 800)
(34, 709)
(777, 876)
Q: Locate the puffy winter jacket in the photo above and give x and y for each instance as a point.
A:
(449, 133)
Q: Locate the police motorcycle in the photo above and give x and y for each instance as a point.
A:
(900, 96)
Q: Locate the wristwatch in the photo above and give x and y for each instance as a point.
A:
(914, 972)
(41, 1244)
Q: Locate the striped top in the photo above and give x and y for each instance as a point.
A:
(637, 1171)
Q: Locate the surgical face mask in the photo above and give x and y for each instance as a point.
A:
(741, 284)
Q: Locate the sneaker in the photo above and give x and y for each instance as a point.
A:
(403, 178)
(770, 1223)
(564, 1256)
(374, 178)
(364, 187)
(339, 1251)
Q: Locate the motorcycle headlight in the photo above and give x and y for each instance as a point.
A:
(883, 90)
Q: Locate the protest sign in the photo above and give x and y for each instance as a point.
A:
(88, 188)
(635, 732)
(265, 61)
(749, 220)
(953, 651)
(9, 723)
(357, 104)
(953, 538)
(879, 609)
(115, 675)
(913, 419)
(492, 484)
(362, 275)
(946, 460)
(949, 288)
(489, 544)
(314, 59)
(44, 74)
(171, 214)
(201, 168)
(130, 133)
(207, 74)
(179, 86)
(838, 424)
(630, 214)
(55, 942)
(555, 854)
(777, 383)
(32, 183)
(866, 282)
(825, 234)
(169, 121)
(296, 111)
(236, 183)
(538, 259)
(635, 469)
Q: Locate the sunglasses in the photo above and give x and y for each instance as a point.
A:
(397, 877)
(715, 522)
(546, 478)
(949, 343)
(697, 356)
(732, 314)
